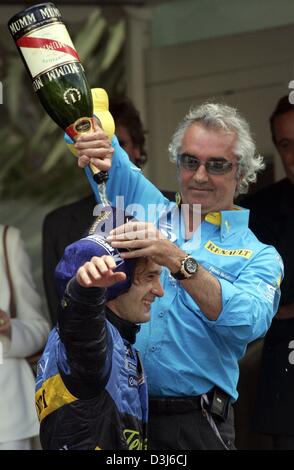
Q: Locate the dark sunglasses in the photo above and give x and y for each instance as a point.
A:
(213, 166)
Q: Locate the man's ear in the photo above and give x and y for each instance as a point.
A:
(239, 182)
(139, 271)
(136, 280)
(178, 173)
(137, 276)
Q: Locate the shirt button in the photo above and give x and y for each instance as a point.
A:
(153, 348)
(161, 314)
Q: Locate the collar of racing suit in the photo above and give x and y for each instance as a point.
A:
(127, 329)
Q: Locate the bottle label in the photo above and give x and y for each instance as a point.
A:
(57, 73)
(46, 48)
(80, 126)
(32, 17)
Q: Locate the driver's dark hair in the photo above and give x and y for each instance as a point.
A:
(125, 114)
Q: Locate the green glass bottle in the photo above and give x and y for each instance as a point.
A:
(54, 66)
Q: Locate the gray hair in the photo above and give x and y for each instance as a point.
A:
(222, 117)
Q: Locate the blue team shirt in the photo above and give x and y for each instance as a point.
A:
(183, 352)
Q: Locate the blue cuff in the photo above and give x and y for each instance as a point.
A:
(67, 139)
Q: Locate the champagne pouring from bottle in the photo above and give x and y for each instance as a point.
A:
(58, 76)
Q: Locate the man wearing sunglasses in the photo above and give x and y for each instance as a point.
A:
(221, 284)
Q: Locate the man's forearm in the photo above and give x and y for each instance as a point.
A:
(203, 287)
(205, 290)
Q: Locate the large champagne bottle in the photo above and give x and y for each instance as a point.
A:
(56, 71)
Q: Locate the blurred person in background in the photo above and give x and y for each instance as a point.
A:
(23, 332)
(272, 221)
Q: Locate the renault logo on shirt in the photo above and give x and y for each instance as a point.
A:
(210, 246)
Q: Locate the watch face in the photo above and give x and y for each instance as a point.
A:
(191, 265)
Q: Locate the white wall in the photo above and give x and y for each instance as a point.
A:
(248, 71)
(191, 20)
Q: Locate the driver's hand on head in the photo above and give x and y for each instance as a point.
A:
(94, 147)
(98, 272)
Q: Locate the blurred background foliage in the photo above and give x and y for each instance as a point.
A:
(37, 172)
